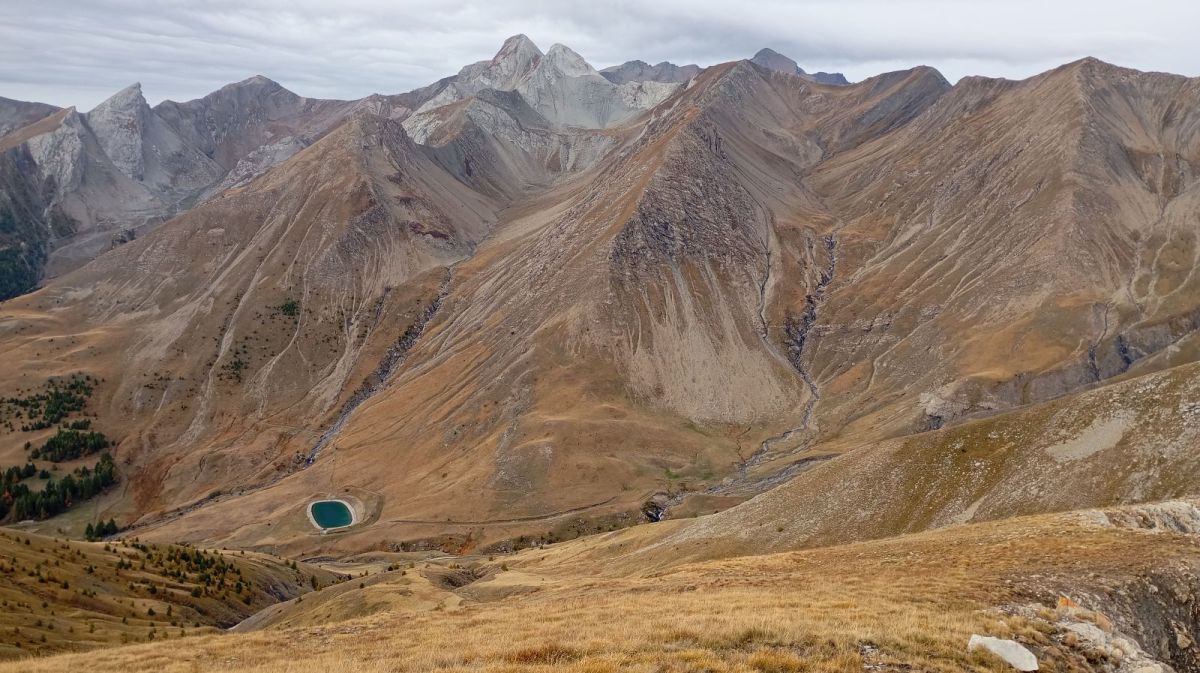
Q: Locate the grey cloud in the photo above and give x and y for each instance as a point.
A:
(79, 51)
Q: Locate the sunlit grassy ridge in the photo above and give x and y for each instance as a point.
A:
(904, 602)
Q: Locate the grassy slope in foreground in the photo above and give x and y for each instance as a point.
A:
(58, 595)
(891, 604)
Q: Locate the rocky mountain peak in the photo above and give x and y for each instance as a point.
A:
(119, 125)
(259, 83)
(256, 88)
(517, 57)
(518, 54)
(773, 60)
(127, 98)
(1090, 66)
(568, 62)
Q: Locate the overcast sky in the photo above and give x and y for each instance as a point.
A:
(77, 52)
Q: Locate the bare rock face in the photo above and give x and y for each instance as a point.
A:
(568, 91)
(518, 56)
(80, 190)
(89, 189)
(146, 149)
(59, 153)
(835, 78)
(526, 118)
(499, 145)
(120, 126)
(640, 71)
(25, 208)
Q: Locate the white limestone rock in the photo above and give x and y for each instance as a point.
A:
(1012, 652)
(59, 153)
(145, 148)
(119, 124)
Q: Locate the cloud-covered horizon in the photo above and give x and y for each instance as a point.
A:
(78, 52)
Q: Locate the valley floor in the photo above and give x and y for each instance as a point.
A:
(1077, 589)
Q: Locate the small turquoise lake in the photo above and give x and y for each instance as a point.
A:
(331, 514)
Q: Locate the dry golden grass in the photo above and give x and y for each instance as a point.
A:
(61, 596)
(911, 601)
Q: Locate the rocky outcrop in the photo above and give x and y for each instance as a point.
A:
(117, 167)
(515, 60)
(59, 153)
(1010, 651)
(86, 192)
(120, 126)
(773, 60)
(834, 78)
(1176, 516)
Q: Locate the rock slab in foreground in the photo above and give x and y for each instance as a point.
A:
(1014, 653)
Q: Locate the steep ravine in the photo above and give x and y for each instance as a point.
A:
(797, 329)
(796, 332)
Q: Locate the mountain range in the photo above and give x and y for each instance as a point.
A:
(762, 309)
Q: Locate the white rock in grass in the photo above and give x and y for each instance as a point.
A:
(1010, 651)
